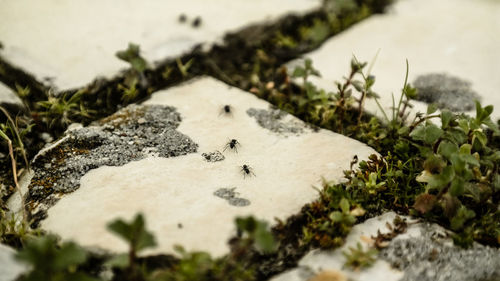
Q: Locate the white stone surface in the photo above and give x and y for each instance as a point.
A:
(10, 269)
(318, 260)
(481, 262)
(458, 37)
(177, 190)
(8, 96)
(75, 41)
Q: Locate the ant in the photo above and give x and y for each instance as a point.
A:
(226, 110)
(232, 144)
(247, 170)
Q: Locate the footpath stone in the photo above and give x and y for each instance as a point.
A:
(10, 269)
(69, 44)
(424, 251)
(451, 47)
(191, 159)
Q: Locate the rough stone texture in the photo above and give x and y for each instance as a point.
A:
(317, 261)
(130, 134)
(10, 269)
(204, 197)
(432, 258)
(446, 91)
(424, 252)
(457, 37)
(7, 96)
(70, 43)
(274, 120)
(213, 156)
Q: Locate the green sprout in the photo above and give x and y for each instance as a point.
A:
(358, 258)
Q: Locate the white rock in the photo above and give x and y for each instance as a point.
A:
(180, 190)
(457, 37)
(318, 260)
(76, 41)
(10, 269)
(8, 96)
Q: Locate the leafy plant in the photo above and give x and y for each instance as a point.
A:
(50, 261)
(129, 93)
(447, 173)
(132, 56)
(200, 266)
(138, 238)
(184, 67)
(331, 218)
(358, 258)
(59, 111)
(15, 231)
(256, 233)
(253, 239)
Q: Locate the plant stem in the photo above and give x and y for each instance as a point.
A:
(404, 87)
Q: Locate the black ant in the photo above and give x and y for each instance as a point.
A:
(232, 144)
(226, 110)
(196, 22)
(246, 170)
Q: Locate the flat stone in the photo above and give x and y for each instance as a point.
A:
(8, 97)
(456, 38)
(424, 251)
(10, 268)
(184, 188)
(68, 44)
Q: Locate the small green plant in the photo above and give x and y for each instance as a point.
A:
(138, 238)
(12, 231)
(285, 41)
(15, 231)
(167, 72)
(184, 67)
(54, 262)
(129, 93)
(200, 266)
(132, 55)
(253, 239)
(60, 111)
(331, 218)
(316, 33)
(358, 258)
(255, 233)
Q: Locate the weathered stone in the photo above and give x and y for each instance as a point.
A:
(456, 37)
(423, 252)
(204, 197)
(431, 256)
(446, 91)
(68, 44)
(8, 98)
(10, 269)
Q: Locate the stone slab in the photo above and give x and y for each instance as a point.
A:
(172, 159)
(424, 252)
(7, 96)
(458, 38)
(10, 269)
(71, 43)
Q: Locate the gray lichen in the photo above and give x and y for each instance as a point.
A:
(272, 119)
(446, 91)
(213, 156)
(427, 258)
(131, 134)
(230, 196)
